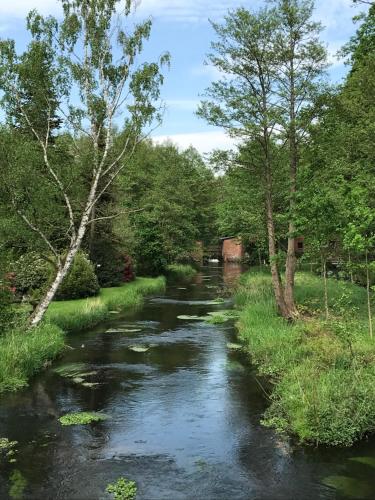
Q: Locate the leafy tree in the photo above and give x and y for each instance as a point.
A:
(92, 55)
(271, 61)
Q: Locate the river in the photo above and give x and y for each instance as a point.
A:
(183, 417)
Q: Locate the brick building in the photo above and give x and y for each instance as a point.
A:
(232, 249)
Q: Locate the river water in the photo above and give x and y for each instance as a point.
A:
(183, 417)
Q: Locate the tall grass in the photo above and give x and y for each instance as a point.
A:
(181, 271)
(23, 353)
(323, 371)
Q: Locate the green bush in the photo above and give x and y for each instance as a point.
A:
(80, 282)
(31, 272)
(109, 263)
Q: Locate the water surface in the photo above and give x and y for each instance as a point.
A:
(184, 417)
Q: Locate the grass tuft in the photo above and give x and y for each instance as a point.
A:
(22, 354)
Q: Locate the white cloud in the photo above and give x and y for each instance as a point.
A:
(204, 142)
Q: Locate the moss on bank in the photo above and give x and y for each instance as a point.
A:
(22, 354)
(323, 371)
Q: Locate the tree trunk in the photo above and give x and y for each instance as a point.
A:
(291, 261)
(350, 267)
(368, 296)
(276, 279)
(42, 307)
(325, 288)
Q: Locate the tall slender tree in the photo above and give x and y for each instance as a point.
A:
(271, 62)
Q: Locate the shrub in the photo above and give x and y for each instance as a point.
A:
(108, 261)
(80, 282)
(31, 272)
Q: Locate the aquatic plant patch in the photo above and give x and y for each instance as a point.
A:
(123, 489)
(233, 346)
(71, 370)
(82, 418)
(8, 450)
(370, 461)
(350, 487)
(193, 317)
(217, 319)
(18, 484)
(139, 348)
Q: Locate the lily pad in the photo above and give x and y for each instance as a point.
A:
(349, 486)
(124, 330)
(78, 380)
(219, 300)
(71, 370)
(139, 348)
(228, 313)
(217, 319)
(232, 345)
(87, 374)
(82, 418)
(364, 460)
(192, 317)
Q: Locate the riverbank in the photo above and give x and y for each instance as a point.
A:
(181, 272)
(23, 354)
(322, 371)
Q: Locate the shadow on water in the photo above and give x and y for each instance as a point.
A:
(184, 416)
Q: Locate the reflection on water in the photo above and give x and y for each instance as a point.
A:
(183, 416)
(231, 273)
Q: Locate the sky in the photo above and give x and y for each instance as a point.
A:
(182, 27)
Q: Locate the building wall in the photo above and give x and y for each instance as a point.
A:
(233, 250)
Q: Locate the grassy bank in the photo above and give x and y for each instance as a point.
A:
(22, 354)
(75, 315)
(323, 371)
(181, 271)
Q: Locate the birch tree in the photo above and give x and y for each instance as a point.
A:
(97, 80)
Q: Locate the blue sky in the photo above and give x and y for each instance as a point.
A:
(182, 28)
